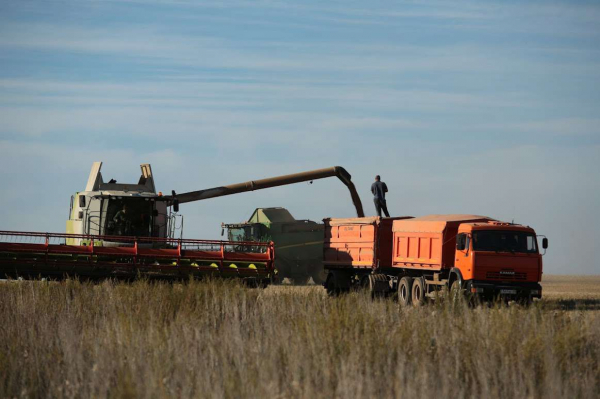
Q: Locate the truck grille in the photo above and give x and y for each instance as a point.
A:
(506, 276)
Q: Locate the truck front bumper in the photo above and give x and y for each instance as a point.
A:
(506, 290)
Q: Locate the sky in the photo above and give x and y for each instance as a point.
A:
(489, 108)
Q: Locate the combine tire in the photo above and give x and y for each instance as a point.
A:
(318, 277)
(418, 292)
(405, 291)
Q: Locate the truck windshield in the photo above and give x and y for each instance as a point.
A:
(504, 241)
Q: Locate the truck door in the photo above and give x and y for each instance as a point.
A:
(462, 258)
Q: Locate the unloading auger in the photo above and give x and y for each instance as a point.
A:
(252, 185)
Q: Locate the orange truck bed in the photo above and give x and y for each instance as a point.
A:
(358, 242)
(428, 242)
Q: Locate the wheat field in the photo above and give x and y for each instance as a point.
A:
(217, 338)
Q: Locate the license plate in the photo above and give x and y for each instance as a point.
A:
(508, 292)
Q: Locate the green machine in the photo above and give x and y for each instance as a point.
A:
(298, 243)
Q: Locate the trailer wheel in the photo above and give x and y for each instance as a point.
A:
(418, 292)
(330, 285)
(405, 291)
(378, 285)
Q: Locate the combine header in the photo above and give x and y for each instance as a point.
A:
(35, 255)
(118, 230)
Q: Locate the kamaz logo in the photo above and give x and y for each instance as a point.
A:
(510, 273)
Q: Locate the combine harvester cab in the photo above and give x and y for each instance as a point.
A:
(118, 210)
(298, 243)
(469, 254)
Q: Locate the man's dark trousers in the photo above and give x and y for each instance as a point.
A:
(379, 206)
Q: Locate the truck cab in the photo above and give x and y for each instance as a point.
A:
(498, 258)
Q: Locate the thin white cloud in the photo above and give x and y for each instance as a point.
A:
(153, 47)
(553, 126)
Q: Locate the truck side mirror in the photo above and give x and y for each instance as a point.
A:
(545, 243)
(222, 232)
(175, 205)
(82, 201)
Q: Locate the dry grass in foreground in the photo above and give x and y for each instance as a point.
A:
(219, 339)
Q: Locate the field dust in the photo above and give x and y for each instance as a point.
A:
(219, 339)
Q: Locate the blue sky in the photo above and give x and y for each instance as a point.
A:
(463, 107)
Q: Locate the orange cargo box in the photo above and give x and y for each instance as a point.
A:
(428, 242)
(358, 242)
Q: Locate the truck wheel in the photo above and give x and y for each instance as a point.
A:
(418, 292)
(405, 291)
(525, 301)
(455, 292)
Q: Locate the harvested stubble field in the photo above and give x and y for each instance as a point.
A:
(220, 339)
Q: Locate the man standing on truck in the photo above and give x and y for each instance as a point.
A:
(379, 189)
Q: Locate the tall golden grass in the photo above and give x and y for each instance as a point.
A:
(220, 339)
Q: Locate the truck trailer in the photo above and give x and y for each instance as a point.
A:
(419, 257)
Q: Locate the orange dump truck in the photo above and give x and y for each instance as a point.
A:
(466, 253)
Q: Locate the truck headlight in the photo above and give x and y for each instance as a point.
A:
(476, 290)
(535, 292)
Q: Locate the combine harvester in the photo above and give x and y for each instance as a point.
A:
(298, 243)
(417, 257)
(128, 230)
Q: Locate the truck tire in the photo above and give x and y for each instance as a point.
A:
(405, 291)
(455, 292)
(525, 301)
(418, 292)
